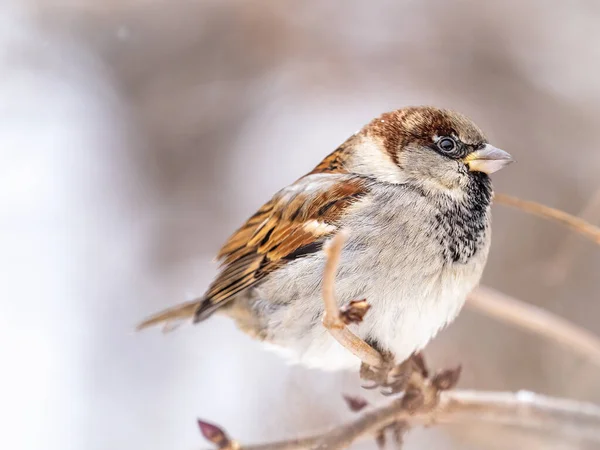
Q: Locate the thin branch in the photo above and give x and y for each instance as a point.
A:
(558, 268)
(577, 224)
(332, 319)
(526, 410)
(537, 320)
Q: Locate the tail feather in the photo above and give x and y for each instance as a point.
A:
(175, 314)
(205, 308)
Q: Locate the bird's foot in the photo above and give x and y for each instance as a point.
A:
(419, 392)
(393, 378)
(378, 376)
(410, 377)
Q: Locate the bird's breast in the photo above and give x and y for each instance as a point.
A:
(415, 261)
(410, 258)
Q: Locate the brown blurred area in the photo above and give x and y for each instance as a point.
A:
(137, 135)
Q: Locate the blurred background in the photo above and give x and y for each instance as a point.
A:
(135, 136)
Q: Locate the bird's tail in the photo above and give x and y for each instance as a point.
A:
(172, 316)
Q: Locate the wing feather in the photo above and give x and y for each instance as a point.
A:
(294, 223)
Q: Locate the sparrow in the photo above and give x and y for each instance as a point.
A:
(413, 192)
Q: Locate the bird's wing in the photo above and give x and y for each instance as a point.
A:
(294, 223)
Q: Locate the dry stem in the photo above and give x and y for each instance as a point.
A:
(537, 320)
(558, 267)
(527, 410)
(331, 319)
(574, 223)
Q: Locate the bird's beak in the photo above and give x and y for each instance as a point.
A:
(488, 160)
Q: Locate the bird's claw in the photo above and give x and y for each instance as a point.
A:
(393, 378)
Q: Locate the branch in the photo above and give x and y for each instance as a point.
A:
(537, 320)
(558, 269)
(574, 223)
(333, 320)
(522, 409)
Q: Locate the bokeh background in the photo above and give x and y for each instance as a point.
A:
(136, 135)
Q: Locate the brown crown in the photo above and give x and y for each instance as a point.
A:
(418, 125)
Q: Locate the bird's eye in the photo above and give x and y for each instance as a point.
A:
(446, 144)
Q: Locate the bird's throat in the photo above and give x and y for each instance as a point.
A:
(462, 225)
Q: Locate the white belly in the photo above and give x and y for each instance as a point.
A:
(402, 324)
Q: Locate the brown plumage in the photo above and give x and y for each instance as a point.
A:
(293, 223)
(414, 125)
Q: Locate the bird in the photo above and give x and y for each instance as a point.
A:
(413, 193)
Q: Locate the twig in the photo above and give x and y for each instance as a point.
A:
(558, 268)
(332, 319)
(527, 410)
(537, 320)
(574, 223)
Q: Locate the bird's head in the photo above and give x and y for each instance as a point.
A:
(435, 148)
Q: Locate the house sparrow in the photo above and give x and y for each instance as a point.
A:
(413, 191)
